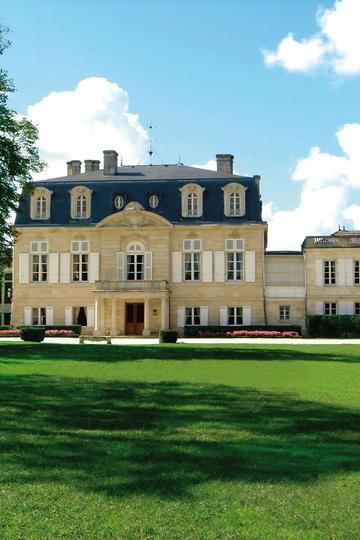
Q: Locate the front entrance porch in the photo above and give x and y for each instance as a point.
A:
(128, 313)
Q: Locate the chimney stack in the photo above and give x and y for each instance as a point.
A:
(91, 165)
(224, 163)
(110, 162)
(73, 167)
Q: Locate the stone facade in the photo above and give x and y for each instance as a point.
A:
(131, 250)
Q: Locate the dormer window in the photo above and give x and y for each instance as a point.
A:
(40, 207)
(81, 206)
(192, 200)
(234, 199)
(80, 202)
(40, 203)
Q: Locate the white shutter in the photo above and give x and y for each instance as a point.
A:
(53, 267)
(246, 315)
(148, 265)
(49, 316)
(350, 308)
(204, 316)
(94, 267)
(177, 266)
(23, 268)
(27, 316)
(181, 317)
(342, 308)
(223, 316)
(341, 269)
(319, 308)
(120, 259)
(68, 316)
(207, 270)
(64, 267)
(250, 266)
(349, 272)
(319, 282)
(90, 316)
(219, 266)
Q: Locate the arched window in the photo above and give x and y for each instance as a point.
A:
(119, 202)
(192, 204)
(81, 206)
(135, 261)
(234, 203)
(40, 207)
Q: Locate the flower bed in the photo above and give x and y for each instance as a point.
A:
(15, 332)
(250, 333)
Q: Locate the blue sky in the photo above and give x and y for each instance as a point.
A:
(196, 70)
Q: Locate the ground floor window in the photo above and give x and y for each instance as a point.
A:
(235, 316)
(330, 308)
(357, 308)
(80, 316)
(39, 316)
(284, 313)
(192, 316)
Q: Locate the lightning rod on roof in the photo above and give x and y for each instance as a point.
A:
(150, 151)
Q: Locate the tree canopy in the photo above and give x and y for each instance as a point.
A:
(19, 157)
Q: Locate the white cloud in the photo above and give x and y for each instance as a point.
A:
(209, 165)
(336, 45)
(81, 123)
(329, 181)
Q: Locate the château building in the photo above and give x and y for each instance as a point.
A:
(133, 249)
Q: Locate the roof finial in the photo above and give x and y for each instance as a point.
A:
(150, 151)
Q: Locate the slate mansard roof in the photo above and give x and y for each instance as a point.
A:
(137, 183)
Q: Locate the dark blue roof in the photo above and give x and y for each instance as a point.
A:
(136, 185)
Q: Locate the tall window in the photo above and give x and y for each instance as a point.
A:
(192, 316)
(330, 308)
(81, 206)
(192, 204)
(329, 272)
(135, 262)
(284, 313)
(234, 260)
(356, 308)
(356, 272)
(235, 316)
(40, 207)
(39, 316)
(192, 249)
(235, 203)
(39, 261)
(80, 260)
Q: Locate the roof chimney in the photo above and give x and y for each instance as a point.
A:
(91, 165)
(73, 167)
(110, 162)
(224, 163)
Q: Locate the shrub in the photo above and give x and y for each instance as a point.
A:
(32, 333)
(336, 326)
(5, 327)
(168, 336)
(75, 328)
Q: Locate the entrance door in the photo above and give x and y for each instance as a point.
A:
(134, 319)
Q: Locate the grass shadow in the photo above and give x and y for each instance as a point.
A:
(163, 439)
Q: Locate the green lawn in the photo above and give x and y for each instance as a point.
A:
(179, 442)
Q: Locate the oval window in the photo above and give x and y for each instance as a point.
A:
(153, 201)
(119, 202)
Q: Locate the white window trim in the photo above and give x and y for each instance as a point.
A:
(185, 192)
(235, 248)
(40, 192)
(76, 192)
(234, 187)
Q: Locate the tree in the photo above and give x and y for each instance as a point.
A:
(19, 157)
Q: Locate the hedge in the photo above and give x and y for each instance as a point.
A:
(193, 331)
(75, 328)
(336, 326)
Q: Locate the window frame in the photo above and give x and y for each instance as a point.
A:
(331, 307)
(192, 259)
(235, 259)
(284, 312)
(193, 315)
(356, 272)
(38, 316)
(329, 272)
(80, 261)
(236, 313)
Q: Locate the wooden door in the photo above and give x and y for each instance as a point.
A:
(134, 319)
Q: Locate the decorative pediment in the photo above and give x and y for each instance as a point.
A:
(134, 216)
